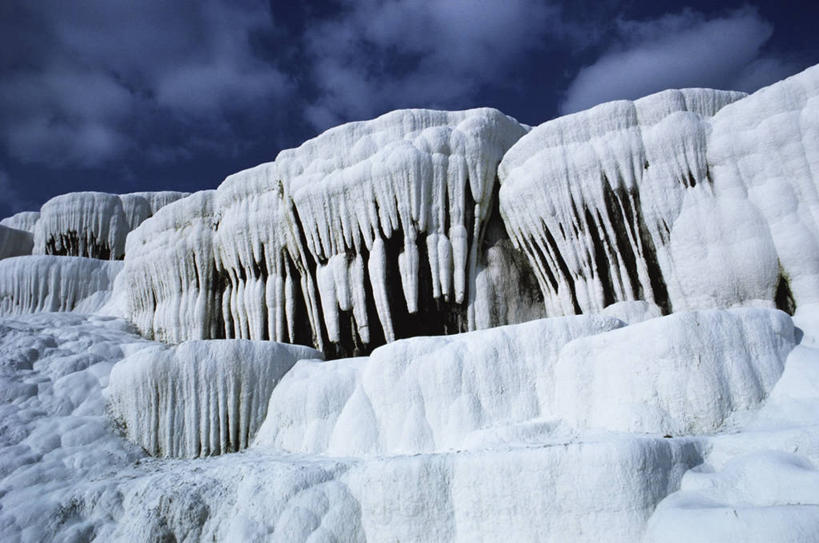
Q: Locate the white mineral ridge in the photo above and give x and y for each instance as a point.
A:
(138, 206)
(25, 220)
(425, 394)
(546, 493)
(168, 275)
(416, 176)
(94, 224)
(29, 284)
(201, 397)
(683, 374)
(14, 242)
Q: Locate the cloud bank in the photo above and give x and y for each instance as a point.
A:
(98, 77)
(682, 50)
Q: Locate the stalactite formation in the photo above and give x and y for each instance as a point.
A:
(363, 235)
(590, 197)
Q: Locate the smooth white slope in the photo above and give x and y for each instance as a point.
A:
(424, 394)
(519, 481)
(66, 475)
(305, 238)
(758, 482)
(683, 374)
(765, 149)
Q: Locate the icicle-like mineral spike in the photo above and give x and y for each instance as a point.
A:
(377, 269)
(434, 266)
(359, 298)
(445, 265)
(329, 304)
(290, 306)
(408, 266)
(460, 253)
(338, 263)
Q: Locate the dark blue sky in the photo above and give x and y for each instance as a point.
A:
(120, 96)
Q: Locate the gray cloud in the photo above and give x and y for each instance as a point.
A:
(104, 70)
(438, 53)
(684, 50)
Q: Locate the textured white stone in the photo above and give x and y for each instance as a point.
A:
(418, 177)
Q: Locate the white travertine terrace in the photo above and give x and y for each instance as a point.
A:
(680, 407)
(198, 398)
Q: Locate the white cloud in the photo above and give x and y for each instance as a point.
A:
(685, 50)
